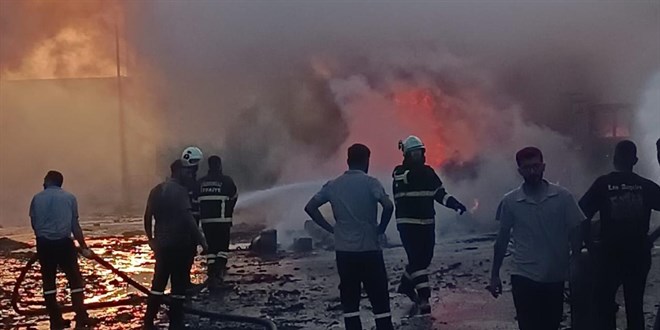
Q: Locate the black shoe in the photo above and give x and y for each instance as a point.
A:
(195, 289)
(149, 326)
(409, 292)
(86, 323)
(60, 324)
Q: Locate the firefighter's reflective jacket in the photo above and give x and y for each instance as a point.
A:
(415, 189)
(217, 198)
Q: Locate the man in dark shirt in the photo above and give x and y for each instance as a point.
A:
(175, 228)
(623, 254)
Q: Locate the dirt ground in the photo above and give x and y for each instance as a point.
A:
(295, 290)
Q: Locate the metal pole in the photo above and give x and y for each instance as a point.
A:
(125, 190)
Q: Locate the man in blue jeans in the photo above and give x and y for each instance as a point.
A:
(354, 197)
(544, 220)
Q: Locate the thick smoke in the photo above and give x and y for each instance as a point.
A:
(59, 107)
(279, 89)
(647, 127)
(57, 39)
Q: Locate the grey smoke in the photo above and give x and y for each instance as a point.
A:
(225, 61)
(238, 79)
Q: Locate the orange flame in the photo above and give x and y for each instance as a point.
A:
(418, 108)
(75, 39)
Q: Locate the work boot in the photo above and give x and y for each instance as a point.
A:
(85, 322)
(194, 289)
(353, 323)
(212, 284)
(153, 305)
(384, 323)
(54, 313)
(59, 324)
(176, 314)
(408, 290)
(424, 307)
(212, 281)
(222, 272)
(149, 326)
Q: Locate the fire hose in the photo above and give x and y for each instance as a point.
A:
(15, 299)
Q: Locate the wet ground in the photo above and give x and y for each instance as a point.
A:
(295, 290)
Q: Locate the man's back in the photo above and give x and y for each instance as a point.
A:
(354, 199)
(217, 196)
(624, 201)
(53, 212)
(170, 201)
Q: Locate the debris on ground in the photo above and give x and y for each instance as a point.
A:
(265, 243)
(294, 290)
(8, 245)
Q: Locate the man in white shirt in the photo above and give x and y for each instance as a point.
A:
(54, 218)
(544, 221)
(354, 197)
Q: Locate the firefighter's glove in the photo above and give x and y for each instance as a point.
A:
(454, 204)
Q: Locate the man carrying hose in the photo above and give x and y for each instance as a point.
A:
(175, 228)
(54, 217)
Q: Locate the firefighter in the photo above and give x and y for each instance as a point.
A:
(175, 227)
(415, 187)
(217, 198)
(190, 158)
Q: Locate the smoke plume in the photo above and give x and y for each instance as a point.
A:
(279, 89)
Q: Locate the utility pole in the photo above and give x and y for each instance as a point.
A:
(123, 166)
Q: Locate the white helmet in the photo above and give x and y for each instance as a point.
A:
(191, 156)
(411, 143)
